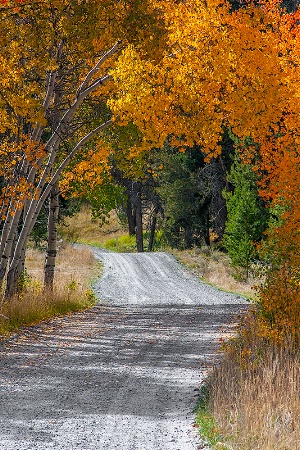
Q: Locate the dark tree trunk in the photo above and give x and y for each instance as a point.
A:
(152, 230)
(49, 268)
(206, 230)
(139, 222)
(130, 216)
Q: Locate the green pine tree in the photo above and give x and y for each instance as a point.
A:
(247, 218)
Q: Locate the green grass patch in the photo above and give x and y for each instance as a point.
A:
(126, 243)
(206, 423)
(123, 243)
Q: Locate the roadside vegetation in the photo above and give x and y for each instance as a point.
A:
(71, 292)
(251, 399)
(214, 267)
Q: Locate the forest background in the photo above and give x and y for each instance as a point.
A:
(181, 116)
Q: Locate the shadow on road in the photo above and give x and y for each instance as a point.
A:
(106, 362)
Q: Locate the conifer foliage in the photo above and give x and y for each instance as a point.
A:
(247, 217)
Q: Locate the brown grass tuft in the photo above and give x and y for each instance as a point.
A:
(255, 395)
(74, 271)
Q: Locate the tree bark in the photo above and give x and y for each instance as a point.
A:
(152, 230)
(130, 216)
(49, 268)
(206, 230)
(139, 222)
(9, 235)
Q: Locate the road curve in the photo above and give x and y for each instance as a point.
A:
(120, 376)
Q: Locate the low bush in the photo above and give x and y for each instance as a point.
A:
(123, 243)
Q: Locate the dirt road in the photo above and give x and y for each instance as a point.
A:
(121, 375)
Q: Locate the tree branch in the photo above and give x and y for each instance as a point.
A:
(101, 61)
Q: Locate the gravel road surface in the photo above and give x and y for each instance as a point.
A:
(123, 375)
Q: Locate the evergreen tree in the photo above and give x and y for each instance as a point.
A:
(247, 217)
(185, 192)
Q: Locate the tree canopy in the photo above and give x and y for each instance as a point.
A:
(182, 72)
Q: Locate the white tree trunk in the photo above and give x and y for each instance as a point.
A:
(52, 238)
(43, 185)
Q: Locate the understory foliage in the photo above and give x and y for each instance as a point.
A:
(253, 396)
(280, 292)
(191, 193)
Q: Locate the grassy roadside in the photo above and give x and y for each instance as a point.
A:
(252, 399)
(213, 267)
(75, 269)
(81, 228)
(72, 291)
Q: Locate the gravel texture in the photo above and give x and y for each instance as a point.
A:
(123, 375)
(154, 279)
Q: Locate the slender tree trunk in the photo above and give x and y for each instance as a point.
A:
(9, 235)
(206, 230)
(139, 223)
(21, 270)
(152, 230)
(224, 173)
(14, 273)
(52, 238)
(130, 216)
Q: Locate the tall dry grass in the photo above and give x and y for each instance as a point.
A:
(255, 395)
(72, 291)
(213, 267)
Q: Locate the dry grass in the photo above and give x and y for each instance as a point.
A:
(256, 405)
(213, 267)
(72, 263)
(75, 267)
(82, 228)
(74, 271)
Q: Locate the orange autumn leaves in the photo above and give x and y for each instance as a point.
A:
(88, 171)
(221, 69)
(237, 70)
(194, 69)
